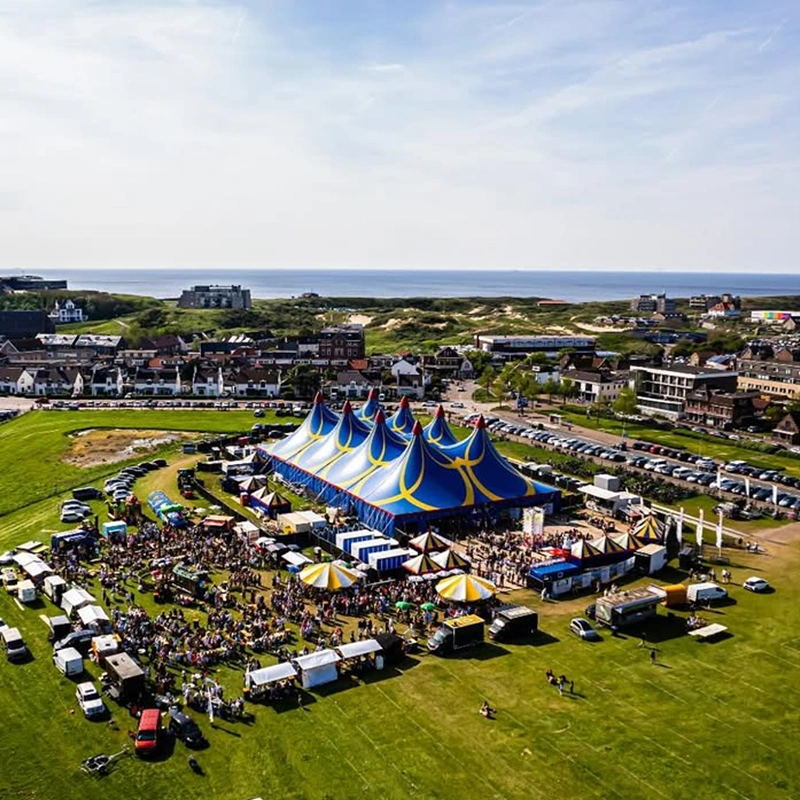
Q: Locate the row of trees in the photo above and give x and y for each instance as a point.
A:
(515, 380)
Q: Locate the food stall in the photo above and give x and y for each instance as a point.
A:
(318, 668)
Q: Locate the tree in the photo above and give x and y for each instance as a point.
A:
(567, 388)
(626, 402)
(486, 379)
(550, 388)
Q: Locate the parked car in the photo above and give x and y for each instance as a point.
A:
(185, 729)
(755, 584)
(89, 700)
(583, 629)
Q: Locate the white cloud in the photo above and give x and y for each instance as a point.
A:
(574, 134)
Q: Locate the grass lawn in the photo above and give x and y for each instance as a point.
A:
(712, 720)
(35, 444)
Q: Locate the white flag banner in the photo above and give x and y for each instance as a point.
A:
(679, 528)
(747, 487)
(538, 521)
(719, 476)
(699, 537)
(719, 531)
(775, 493)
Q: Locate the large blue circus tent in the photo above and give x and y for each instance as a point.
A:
(392, 479)
(378, 450)
(348, 433)
(437, 431)
(402, 421)
(318, 424)
(370, 409)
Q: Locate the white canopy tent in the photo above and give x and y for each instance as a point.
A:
(90, 614)
(74, 599)
(265, 675)
(296, 559)
(318, 668)
(357, 649)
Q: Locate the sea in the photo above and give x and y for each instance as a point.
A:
(573, 286)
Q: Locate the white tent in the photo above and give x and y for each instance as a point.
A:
(90, 615)
(37, 569)
(265, 675)
(75, 599)
(296, 559)
(318, 668)
(356, 649)
(23, 559)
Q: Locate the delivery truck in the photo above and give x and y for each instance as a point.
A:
(513, 621)
(624, 609)
(68, 661)
(456, 634)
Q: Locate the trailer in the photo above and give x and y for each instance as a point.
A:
(124, 679)
(362, 550)
(624, 609)
(54, 587)
(389, 560)
(345, 541)
(513, 621)
(651, 558)
(26, 592)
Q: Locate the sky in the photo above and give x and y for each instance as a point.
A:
(568, 134)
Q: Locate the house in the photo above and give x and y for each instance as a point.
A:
(156, 382)
(342, 343)
(16, 380)
(449, 363)
(167, 345)
(597, 387)
(652, 303)
(253, 382)
(351, 385)
(100, 344)
(207, 382)
(106, 382)
(58, 380)
(719, 409)
(210, 296)
(65, 311)
(408, 377)
(662, 390)
(787, 431)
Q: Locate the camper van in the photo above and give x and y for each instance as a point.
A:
(146, 741)
(68, 661)
(13, 644)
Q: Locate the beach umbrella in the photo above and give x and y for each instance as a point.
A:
(402, 605)
(428, 607)
(465, 589)
(449, 559)
(328, 576)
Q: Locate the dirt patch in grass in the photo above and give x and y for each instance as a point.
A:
(92, 447)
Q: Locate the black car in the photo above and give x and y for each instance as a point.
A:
(185, 729)
(159, 462)
(80, 640)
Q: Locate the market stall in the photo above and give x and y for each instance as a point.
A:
(270, 682)
(318, 668)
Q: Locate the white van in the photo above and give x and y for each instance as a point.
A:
(13, 644)
(68, 661)
(705, 593)
(26, 592)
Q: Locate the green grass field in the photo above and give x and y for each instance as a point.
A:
(710, 721)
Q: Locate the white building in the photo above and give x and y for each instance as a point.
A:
(66, 311)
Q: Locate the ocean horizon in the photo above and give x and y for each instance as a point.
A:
(570, 285)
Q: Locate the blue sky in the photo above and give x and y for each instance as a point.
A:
(573, 134)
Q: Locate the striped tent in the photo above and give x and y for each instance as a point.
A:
(429, 543)
(625, 541)
(582, 550)
(450, 559)
(649, 530)
(421, 565)
(465, 589)
(605, 544)
(328, 576)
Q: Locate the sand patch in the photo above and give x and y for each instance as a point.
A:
(91, 448)
(359, 319)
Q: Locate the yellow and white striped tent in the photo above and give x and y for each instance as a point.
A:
(328, 576)
(450, 559)
(465, 589)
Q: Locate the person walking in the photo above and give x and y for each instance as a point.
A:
(652, 655)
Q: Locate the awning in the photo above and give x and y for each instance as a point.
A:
(265, 675)
(90, 614)
(296, 559)
(316, 660)
(356, 649)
